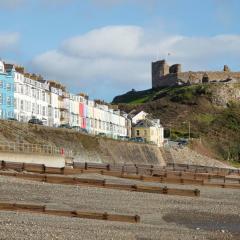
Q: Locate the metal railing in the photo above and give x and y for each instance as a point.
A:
(13, 147)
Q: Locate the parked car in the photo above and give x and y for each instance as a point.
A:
(83, 130)
(76, 128)
(182, 142)
(137, 139)
(66, 125)
(102, 135)
(35, 121)
(140, 139)
(12, 119)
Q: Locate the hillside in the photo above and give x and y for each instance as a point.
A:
(88, 148)
(85, 148)
(213, 111)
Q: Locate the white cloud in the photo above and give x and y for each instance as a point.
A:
(8, 41)
(108, 41)
(11, 3)
(113, 59)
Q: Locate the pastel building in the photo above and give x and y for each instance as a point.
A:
(56, 91)
(150, 130)
(25, 96)
(30, 96)
(74, 110)
(90, 121)
(83, 112)
(6, 93)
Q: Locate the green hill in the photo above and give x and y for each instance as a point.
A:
(213, 111)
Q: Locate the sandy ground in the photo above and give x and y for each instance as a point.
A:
(214, 215)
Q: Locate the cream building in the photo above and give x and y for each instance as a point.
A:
(54, 113)
(150, 130)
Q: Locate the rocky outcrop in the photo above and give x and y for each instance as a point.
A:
(225, 93)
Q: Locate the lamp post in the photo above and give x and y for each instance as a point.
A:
(189, 130)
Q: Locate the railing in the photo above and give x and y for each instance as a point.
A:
(13, 147)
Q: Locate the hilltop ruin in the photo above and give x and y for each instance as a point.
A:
(165, 75)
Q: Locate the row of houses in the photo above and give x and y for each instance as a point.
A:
(24, 96)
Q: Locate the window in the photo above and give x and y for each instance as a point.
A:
(10, 114)
(56, 113)
(33, 108)
(33, 92)
(138, 132)
(8, 101)
(21, 105)
(43, 96)
(8, 86)
(15, 103)
(43, 111)
(28, 106)
(21, 89)
(38, 109)
(1, 84)
(1, 99)
(145, 132)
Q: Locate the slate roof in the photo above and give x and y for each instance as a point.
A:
(145, 123)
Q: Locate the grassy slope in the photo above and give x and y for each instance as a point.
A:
(217, 128)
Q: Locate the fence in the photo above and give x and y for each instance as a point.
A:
(42, 173)
(43, 209)
(13, 147)
(142, 173)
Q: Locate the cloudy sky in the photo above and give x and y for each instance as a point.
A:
(105, 47)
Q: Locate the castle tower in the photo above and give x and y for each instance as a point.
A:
(159, 69)
(226, 68)
(175, 68)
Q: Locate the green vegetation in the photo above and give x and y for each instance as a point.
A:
(187, 94)
(134, 97)
(205, 118)
(230, 117)
(218, 126)
(181, 94)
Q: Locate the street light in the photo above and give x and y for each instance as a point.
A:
(189, 130)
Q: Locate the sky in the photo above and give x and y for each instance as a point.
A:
(105, 47)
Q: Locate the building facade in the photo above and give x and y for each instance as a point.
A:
(6, 93)
(150, 130)
(31, 97)
(25, 96)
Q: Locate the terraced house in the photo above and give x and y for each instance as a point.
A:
(55, 91)
(25, 96)
(31, 96)
(6, 93)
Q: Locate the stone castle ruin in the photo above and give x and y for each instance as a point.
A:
(165, 75)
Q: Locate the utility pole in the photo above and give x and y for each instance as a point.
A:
(170, 131)
(189, 131)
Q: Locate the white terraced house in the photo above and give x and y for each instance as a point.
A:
(50, 102)
(31, 98)
(56, 93)
(74, 101)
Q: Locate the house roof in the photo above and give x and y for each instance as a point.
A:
(145, 123)
(134, 113)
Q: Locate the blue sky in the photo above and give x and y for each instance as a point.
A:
(105, 47)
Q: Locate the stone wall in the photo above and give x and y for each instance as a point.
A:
(161, 77)
(196, 77)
